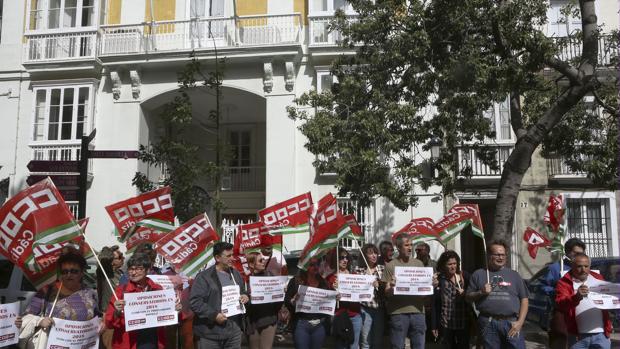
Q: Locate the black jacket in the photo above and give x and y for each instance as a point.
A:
(206, 302)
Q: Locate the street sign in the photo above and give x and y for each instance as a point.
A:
(113, 154)
(60, 181)
(53, 166)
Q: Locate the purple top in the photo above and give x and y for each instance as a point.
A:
(80, 306)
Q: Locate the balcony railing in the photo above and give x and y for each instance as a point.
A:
(364, 216)
(467, 158)
(320, 33)
(200, 33)
(557, 167)
(61, 46)
(58, 152)
(247, 178)
(571, 48)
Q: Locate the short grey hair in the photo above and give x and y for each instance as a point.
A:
(400, 240)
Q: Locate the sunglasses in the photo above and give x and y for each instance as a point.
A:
(343, 257)
(70, 271)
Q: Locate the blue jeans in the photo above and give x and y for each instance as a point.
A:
(357, 328)
(308, 336)
(494, 334)
(412, 325)
(589, 340)
(372, 328)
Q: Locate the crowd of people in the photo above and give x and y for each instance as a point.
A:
(492, 302)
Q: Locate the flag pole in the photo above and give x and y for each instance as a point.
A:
(486, 260)
(101, 266)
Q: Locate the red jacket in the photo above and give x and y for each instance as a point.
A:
(566, 300)
(127, 340)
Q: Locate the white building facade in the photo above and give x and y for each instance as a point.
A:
(71, 66)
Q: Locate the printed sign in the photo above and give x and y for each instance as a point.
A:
(171, 282)
(356, 288)
(9, 333)
(315, 300)
(150, 309)
(417, 281)
(231, 304)
(67, 334)
(267, 289)
(603, 294)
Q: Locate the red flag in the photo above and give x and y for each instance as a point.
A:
(534, 240)
(554, 216)
(355, 227)
(249, 237)
(36, 216)
(189, 247)
(419, 229)
(151, 210)
(288, 217)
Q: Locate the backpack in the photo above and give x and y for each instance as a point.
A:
(343, 328)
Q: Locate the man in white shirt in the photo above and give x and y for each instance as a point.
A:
(587, 325)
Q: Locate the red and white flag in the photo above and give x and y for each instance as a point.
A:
(418, 230)
(151, 212)
(534, 240)
(36, 216)
(189, 247)
(554, 215)
(288, 217)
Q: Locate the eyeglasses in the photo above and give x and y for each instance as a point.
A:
(343, 257)
(134, 269)
(70, 271)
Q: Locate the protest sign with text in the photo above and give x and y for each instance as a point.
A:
(417, 281)
(231, 303)
(171, 282)
(602, 294)
(267, 289)
(150, 309)
(189, 247)
(67, 334)
(356, 287)
(9, 333)
(315, 300)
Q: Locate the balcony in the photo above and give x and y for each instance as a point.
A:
(467, 158)
(59, 152)
(247, 178)
(320, 34)
(557, 169)
(571, 48)
(193, 34)
(68, 45)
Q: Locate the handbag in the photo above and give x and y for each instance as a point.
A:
(343, 328)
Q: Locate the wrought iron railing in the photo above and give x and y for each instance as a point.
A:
(469, 160)
(244, 178)
(571, 48)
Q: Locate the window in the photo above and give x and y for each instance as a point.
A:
(590, 221)
(499, 117)
(200, 8)
(559, 25)
(61, 113)
(240, 144)
(330, 6)
(54, 14)
(324, 79)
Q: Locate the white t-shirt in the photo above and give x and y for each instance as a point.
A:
(589, 318)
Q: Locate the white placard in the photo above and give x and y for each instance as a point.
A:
(150, 309)
(315, 300)
(416, 281)
(602, 294)
(267, 289)
(9, 333)
(231, 304)
(67, 334)
(356, 287)
(170, 282)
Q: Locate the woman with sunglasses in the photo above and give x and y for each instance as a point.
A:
(342, 265)
(262, 318)
(67, 299)
(137, 268)
(309, 330)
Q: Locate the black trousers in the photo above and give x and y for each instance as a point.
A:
(454, 339)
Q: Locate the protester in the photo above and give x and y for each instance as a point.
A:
(557, 328)
(147, 249)
(373, 312)
(137, 268)
(406, 311)
(111, 260)
(309, 329)
(449, 320)
(262, 318)
(68, 297)
(587, 325)
(275, 263)
(423, 254)
(502, 300)
(387, 252)
(213, 328)
(340, 259)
